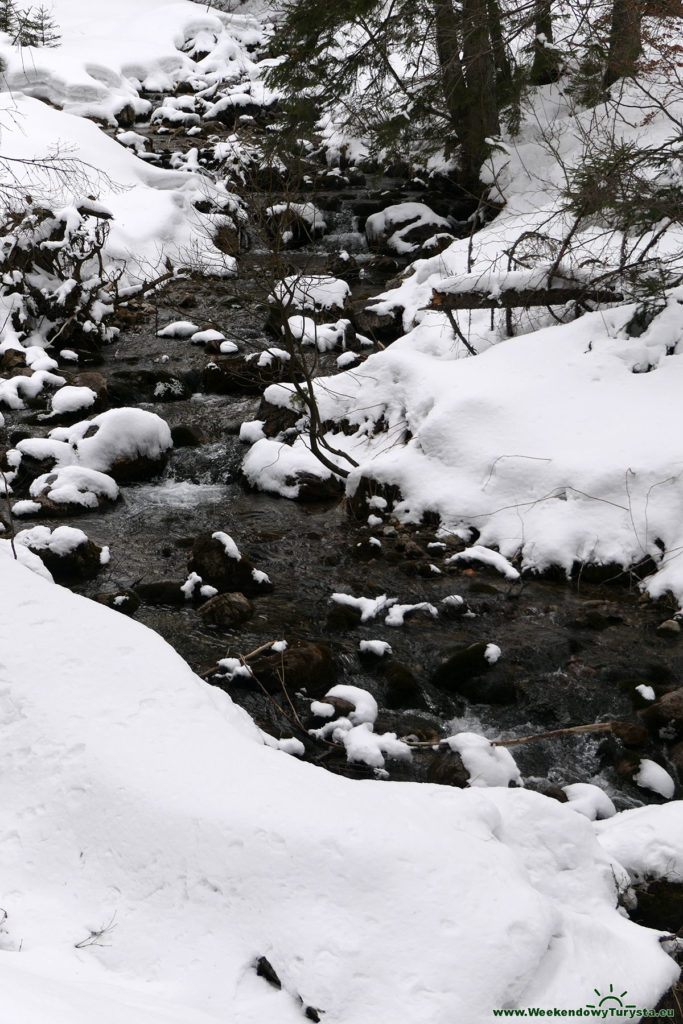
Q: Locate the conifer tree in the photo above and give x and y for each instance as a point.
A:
(38, 28)
(7, 17)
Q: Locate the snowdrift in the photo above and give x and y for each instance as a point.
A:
(153, 849)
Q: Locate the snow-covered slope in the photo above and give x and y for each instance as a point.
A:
(139, 803)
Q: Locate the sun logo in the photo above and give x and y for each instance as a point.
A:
(611, 997)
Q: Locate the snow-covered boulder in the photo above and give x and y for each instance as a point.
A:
(408, 228)
(295, 224)
(129, 444)
(70, 490)
(68, 553)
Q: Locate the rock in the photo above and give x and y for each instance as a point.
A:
(446, 769)
(315, 488)
(383, 326)
(96, 382)
(660, 905)
(210, 560)
(125, 601)
(303, 665)
(631, 734)
(462, 673)
(403, 690)
(404, 228)
(668, 710)
(669, 628)
(343, 616)
(125, 117)
(295, 224)
(69, 491)
(186, 436)
(227, 610)
(276, 419)
(67, 553)
(162, 592)
(239, 375)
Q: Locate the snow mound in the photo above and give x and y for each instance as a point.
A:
(114, 435)
(193, 867)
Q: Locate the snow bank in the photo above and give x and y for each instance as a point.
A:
(149, 206)
(116, 434)
(140, 803)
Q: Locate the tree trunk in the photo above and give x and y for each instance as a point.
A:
(448, 45)
(481, 120)
(503, 69)
(546, 67)
(624, 41)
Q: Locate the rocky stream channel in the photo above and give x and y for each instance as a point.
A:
(573, 652)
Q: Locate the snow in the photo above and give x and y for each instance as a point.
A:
(651, 775)
(178, 329)
(203, 337)
(379, 648)
(394, 222)
(229, 546)
(645, 691)
(398, 612)
(479, 553)
(116, 434)
(71, 485)
(251, 431)
(486, 764)
(364, 703)
(60, 541)
(272, 467)
(369, 607)
(149, 205)
(72, 399)
(492, 653)
(589, 800)
(324, 337)
(178, 852)
(312, 292)
(647, 841)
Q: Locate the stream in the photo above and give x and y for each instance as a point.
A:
(573, 653)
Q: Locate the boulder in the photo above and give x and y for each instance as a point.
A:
(406, 229)
(125, 601)
(667, 711)
(67, 553)
(211, 560)
(302, 665)
(227, 610)
(463, 672)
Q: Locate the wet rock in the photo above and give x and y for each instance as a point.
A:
(295, 224)
(276, 419)
(670, 628)
(184, 435)
(631, 734)
(134, 387)
(446, 769)
(382, 326)
(239, 375)
(96, 382)
(660, 905)
(82, 563)
(161, 592)
(667, 711)
(125, 601)
(302, 665)
(342, 616)
(463, 672)
(359, 504)
(125, 117)
(315, 488)
(342, 709)
(402, 688)
(596, 620)
(11, 360)
(210, 560)
(227, 610)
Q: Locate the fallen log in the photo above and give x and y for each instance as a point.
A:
(523, 298)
